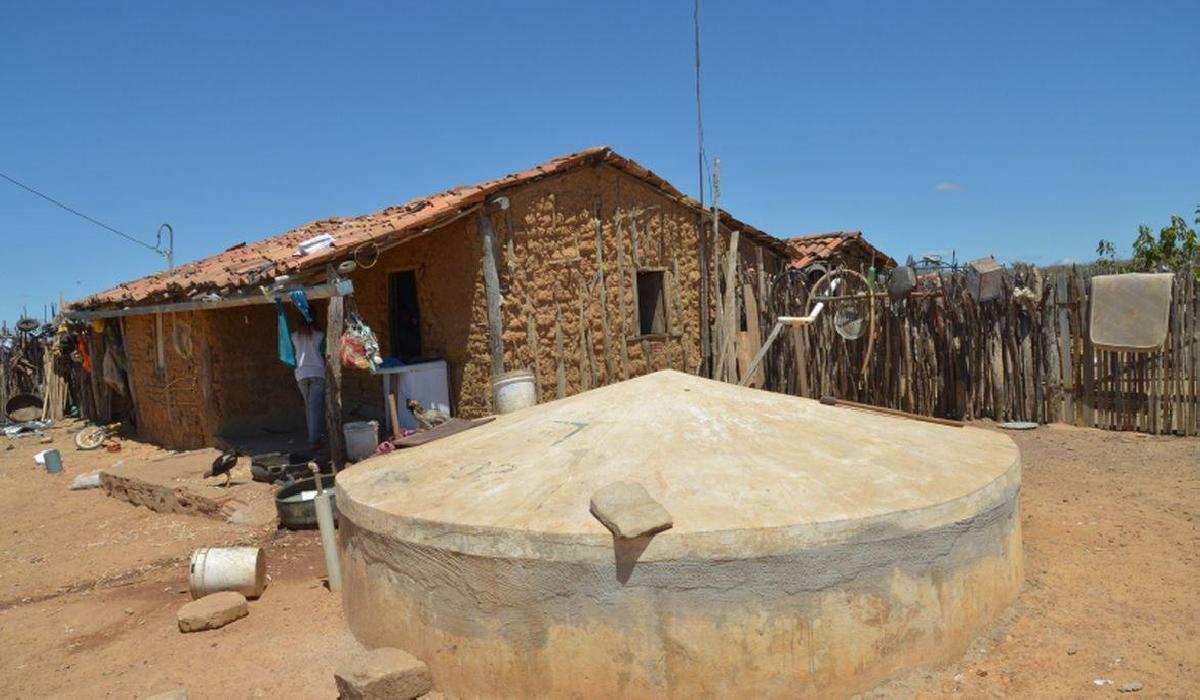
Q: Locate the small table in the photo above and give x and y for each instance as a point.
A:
(392, 378)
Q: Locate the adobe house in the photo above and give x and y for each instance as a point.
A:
(593, 263)
(816, 254)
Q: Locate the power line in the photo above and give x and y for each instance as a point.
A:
(80, 214)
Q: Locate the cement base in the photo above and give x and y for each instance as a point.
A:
(832, 620)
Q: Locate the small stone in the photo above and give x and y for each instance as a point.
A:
(212, 611)
(128, 611)
(628, 510)
(1072, 651)
(1131, 687)
(981, 672)
(46, 440)
(177, 694)
(383, 674)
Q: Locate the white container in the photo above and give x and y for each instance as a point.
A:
(514, 390)
(214, 569)
(316, 244)
(362, 437)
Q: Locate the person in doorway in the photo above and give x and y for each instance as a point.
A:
(310, 375)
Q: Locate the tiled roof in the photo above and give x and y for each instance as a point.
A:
(247, 265)
(820, 247)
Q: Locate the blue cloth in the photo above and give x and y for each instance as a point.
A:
(300, 300)
(287, 353)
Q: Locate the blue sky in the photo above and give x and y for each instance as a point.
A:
(1048, 125)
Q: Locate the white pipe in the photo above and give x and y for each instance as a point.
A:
(324, 509)
(802, 320)
(779, 324)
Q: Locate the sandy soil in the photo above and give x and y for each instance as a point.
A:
(89, 587)
(1112, 559)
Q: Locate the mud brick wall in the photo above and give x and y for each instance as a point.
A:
(450, 296)
(252, 389)
(174, 406)
(554, 310)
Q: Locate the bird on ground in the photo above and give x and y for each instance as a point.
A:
(426, 418)
(223, 465)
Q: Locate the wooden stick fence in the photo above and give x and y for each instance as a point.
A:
(1025, 356)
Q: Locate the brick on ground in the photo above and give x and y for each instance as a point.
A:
(212, 611)
(384, 673)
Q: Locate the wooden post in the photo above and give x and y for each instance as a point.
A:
(491, 285)
(705, 343)
(609, 373)
(333, 383)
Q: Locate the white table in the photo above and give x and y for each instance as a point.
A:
(427, 382)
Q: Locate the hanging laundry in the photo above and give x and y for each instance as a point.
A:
(1130, 311)
(84, 358)
(300, 301)
(287, 353)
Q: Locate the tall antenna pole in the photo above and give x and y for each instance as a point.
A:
(701, 230)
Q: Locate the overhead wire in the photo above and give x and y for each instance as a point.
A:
(80, 214)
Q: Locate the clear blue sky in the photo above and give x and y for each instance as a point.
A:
(1048, 124)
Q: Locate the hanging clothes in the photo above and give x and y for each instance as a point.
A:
(287, 353)
(300, 301)
(85, 358)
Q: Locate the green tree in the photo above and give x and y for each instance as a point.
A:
(1106, 255)
(1174, 249)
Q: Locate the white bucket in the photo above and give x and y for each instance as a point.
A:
(514, 390)
(241, 569)
(362, 438)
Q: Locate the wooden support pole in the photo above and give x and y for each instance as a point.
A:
(609, 373)
(705, 342)
(491, 285)
(333, 383)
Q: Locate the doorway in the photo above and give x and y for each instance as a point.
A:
(404, 315)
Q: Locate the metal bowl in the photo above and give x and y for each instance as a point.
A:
(294, 503)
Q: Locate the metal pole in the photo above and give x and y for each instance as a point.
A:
(170, 245)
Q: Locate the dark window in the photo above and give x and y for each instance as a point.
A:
(652, 304)
(404, 315)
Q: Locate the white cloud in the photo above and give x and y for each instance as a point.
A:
(948, 187)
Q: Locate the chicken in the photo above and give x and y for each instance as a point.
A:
(223, 465)
(426, 418)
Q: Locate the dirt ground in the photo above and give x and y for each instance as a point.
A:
(89, 586)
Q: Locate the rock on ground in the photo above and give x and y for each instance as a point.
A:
(177, 694)
(212, 611)
(383, 674)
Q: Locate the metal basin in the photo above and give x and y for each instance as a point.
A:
(294, 503)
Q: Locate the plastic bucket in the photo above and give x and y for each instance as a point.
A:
(53, 460)
(241, 569)
(514, 390)
(362, 437)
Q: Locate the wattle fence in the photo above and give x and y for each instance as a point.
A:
(1025, 356)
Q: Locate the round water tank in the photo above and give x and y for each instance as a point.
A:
(815, 549)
